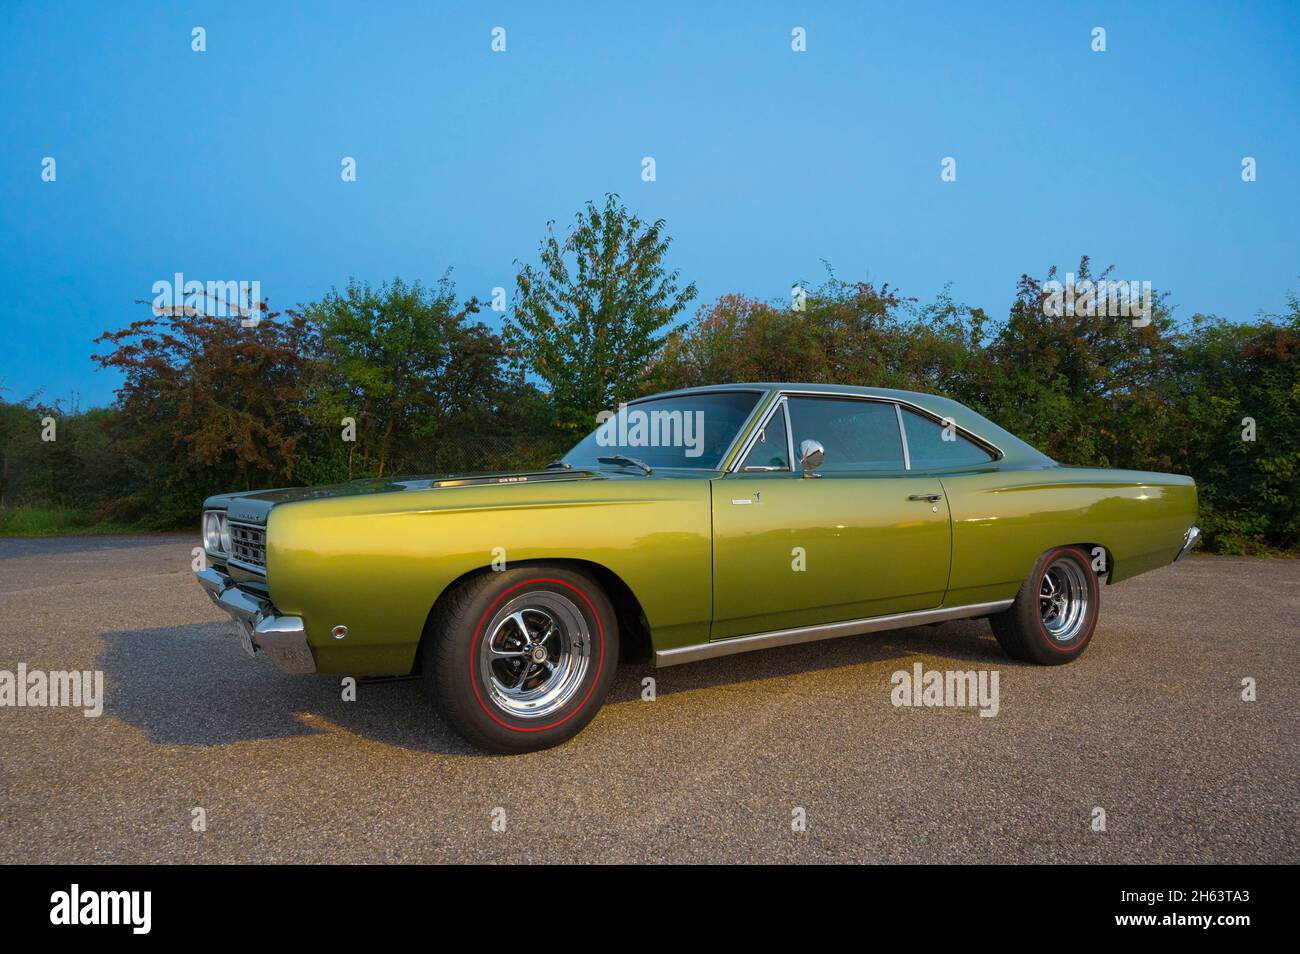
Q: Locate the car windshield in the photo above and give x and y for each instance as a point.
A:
(690, 430)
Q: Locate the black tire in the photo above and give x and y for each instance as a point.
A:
(1052, 629)
(475, 647)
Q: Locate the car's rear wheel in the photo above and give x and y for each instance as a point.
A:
(1055, 611)
(522, 659)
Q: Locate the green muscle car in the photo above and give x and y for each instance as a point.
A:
(686, 526)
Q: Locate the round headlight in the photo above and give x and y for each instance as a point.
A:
(212, 532)
(225, 534)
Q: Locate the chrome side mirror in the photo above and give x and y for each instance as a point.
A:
(811, 455)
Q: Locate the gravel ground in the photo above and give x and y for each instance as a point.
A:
(1149, 726)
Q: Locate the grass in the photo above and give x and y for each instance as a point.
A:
(30, 521)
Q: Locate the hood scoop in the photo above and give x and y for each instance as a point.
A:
(472, 480)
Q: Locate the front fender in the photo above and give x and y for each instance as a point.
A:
(376, 564)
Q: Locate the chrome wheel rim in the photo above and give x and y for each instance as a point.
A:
(1063, 600)
(535, 654)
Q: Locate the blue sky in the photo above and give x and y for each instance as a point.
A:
(225, 164)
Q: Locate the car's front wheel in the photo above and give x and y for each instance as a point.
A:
(522, 659)
(1055, 612)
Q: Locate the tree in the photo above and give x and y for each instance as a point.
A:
(589, 316)
(410, 368)
(1085, 389)
(209, 406)
(1237, 430)
(842, 333)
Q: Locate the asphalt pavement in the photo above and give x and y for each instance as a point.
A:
(795, 754)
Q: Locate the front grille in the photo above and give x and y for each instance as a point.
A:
(248, 545)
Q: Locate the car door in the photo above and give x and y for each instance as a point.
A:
(862, 538)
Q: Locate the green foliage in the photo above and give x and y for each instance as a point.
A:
(1228, 373)
(844, 333)
(26, 520)
(590, 315)
(83, 464)
(407, 365)
(209, 406)
(1085, 390)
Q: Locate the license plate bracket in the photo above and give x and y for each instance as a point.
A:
(246, 639)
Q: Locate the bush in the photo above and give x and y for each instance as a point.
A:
(208, 406)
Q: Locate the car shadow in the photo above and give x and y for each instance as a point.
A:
(194, 686)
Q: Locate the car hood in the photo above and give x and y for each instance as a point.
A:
(252, 506)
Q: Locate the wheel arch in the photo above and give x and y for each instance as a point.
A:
(1091, 550)
(635, 643)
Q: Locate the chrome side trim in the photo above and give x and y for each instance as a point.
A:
(808, 634)
(734, 455)
(902, 435)
(1190, 539)
(777, 406)
(988, 445)
(789, 432)
(724, 460)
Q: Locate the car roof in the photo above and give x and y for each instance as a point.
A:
(1015, 452)
(852, 389)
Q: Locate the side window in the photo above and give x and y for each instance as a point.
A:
(857, 435)
(930, 444)
(770, 451)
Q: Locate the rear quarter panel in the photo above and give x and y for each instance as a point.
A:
(377, 563)
(1003, 520)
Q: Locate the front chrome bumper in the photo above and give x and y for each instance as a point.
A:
(1190, 539)
(264, 631)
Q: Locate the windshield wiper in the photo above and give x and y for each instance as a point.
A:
(624, 459)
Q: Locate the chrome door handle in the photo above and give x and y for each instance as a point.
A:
(933, 498)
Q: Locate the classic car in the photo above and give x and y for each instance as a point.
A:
(688, 525)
